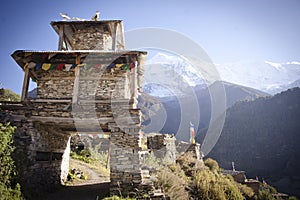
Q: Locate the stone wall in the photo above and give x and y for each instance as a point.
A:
(105, 84)
(196, 151)
(163, 146)
(92, 38)
(125, 160)
(93, 84)
(54, 84)
(42, 153)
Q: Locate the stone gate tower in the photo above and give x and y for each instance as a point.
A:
(88, 85)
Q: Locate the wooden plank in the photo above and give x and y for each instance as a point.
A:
(50, 100)
(115, 78)
(114, 38)
(25, 84)
(76, 81)
(125, 102)
(67, 41)
(61, 40)
(122, 35)
(34, 74)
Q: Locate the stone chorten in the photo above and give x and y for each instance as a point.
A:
(88, 85)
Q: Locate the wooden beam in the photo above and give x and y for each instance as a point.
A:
(67, 41)
(61, 39)
(25, 84)
(50, 100)
(34, 74)
(76, 81)
(122, 35)
(114, 36)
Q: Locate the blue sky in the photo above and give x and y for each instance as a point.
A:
(228, 31)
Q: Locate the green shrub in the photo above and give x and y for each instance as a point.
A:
(210, 185)
(172, 184)
(7, 193)
(82, 155)
(246, 191)
(189, 164)
(265, 195)
(211, 164)
(8, 190)
(8, 95)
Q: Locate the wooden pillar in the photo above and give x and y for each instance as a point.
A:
(114, 37)
(61, 37)
(76, 81)
(25, 84)
(122, 36)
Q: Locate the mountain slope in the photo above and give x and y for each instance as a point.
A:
(183, 109)
(262, 137)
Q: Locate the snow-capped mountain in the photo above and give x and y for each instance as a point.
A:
(169, 75)
(267, 76)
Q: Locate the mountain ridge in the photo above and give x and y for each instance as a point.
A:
(262, 138)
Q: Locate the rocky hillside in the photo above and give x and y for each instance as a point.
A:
(262, 137)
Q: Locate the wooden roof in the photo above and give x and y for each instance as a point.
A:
(70, 27)
(69, 57)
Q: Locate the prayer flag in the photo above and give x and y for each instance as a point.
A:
(119, 65)
(126, 67)
(60, 66)
(46, 66)
(53, 66)
(68, 67)
(111, 66)
(38, 66)
(31, 65)
(192, 133)
(132, 65)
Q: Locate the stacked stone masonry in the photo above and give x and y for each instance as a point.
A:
(92, 38)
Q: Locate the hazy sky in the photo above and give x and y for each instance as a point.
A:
(228, 31)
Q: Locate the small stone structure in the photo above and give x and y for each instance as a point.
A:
(162, 146)
(88, 86)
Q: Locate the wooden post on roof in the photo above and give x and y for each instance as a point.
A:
(122, 36)
(76, 81)
(25, 83)
(114, 36)
(61, 37)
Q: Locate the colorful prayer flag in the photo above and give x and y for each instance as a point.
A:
(119, 65)
(38, 66)
(132, 65)
(46, 66)
(126, 67)
(60, 66)
(192, 133)
(111, 66)
(68, 67)
(31, 65)
(53, 66)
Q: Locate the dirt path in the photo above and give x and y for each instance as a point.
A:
(95, 187)
(93, 176)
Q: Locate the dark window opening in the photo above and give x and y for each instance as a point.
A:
(48, 156)
(43, 156)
